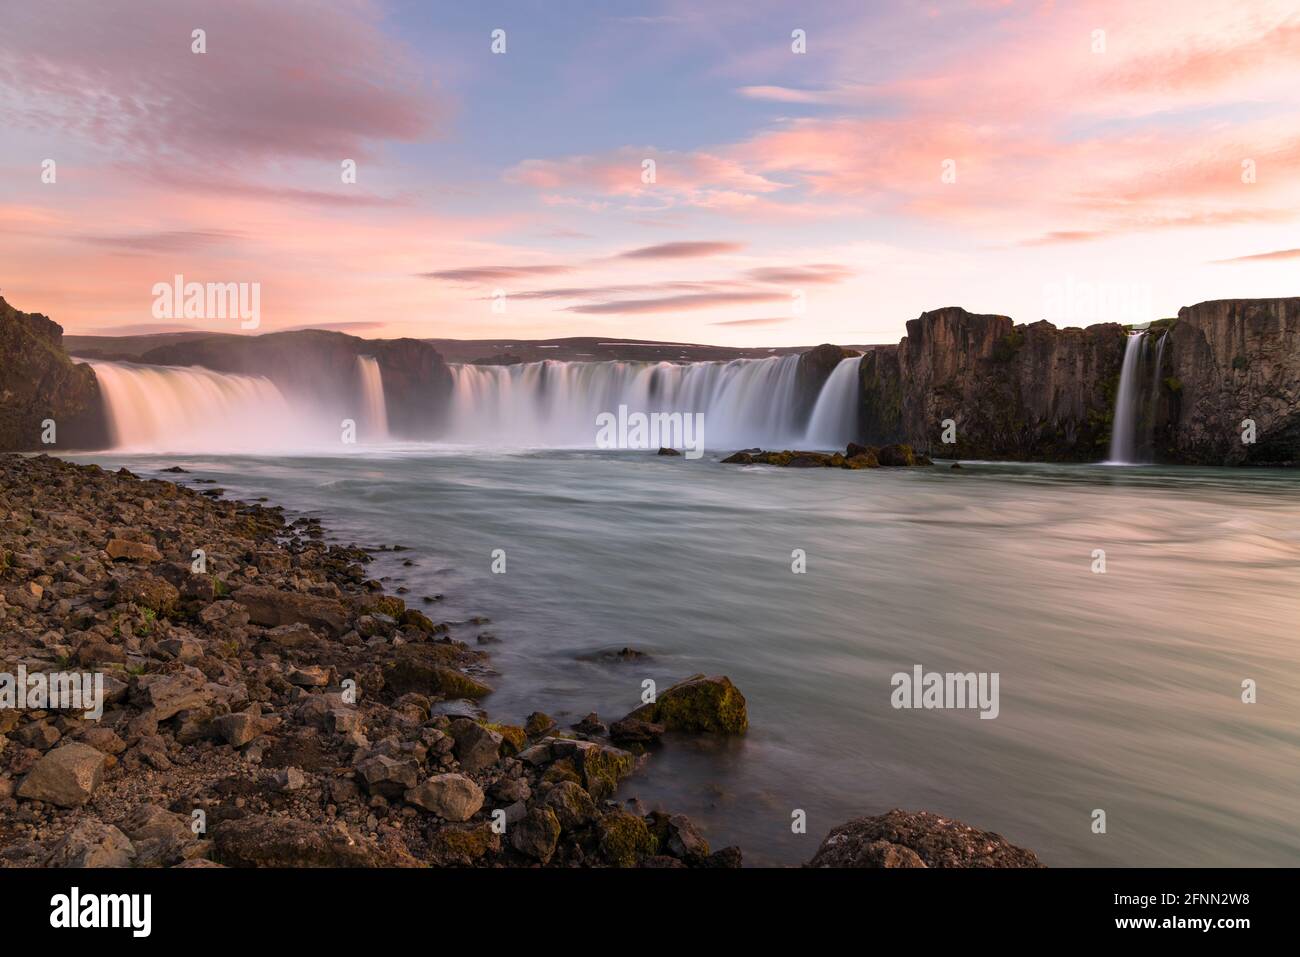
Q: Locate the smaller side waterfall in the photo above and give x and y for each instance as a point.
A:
(836, 413)
(374, 409)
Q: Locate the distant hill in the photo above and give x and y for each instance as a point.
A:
(485, 351)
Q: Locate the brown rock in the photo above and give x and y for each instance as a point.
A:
(121, 550)
(901, 839)
(66, 776)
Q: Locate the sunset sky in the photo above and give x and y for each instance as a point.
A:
(1157, 162)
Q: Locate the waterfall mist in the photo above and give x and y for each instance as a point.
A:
(191, 409)
(745, 402)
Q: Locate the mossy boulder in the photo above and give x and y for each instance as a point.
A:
(572, 805)
(864, 460)
(625, 839)
(700, 704)
(389, 605)
(562, 770)
(600, 768)
(426, 668)
(151, 592)
(462, 846)
(420, 622)
(539, 724)
(513, 738)
(896, 455)
(537, 834)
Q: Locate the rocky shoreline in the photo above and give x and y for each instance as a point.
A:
(265, 703)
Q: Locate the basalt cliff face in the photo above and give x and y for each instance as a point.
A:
(1035, 392)
(312, 363)
(39, 384)
(1226, 362)
(1003, 391)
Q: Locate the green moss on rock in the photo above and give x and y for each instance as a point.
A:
(625, 839)
(702, 704)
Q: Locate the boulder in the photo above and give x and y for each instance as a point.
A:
(120, 549)
(450, 796)
(387, 776)
(149, 591)
(477, 747)
(169, 694)
(599, 767)
(625, 839)
(240, 728)
(895, 455)
(92, 843)
(66, 776)
(272, 607)
(537, 834)
(262, 841)
(917, 839)
(635, 731)
(572, 805)
(462, 846)
(698, 704)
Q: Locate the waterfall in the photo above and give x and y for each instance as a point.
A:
(1153, 406)
(191, 409)
(743, 402)
(374, 409)
(834, 420)
(1124, 425)
(552, 403)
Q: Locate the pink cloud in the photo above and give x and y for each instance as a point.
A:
(286, 79)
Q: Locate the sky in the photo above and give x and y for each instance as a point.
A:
(739, 173)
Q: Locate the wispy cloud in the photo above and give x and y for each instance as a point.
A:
(494, 273)
(682, 250)
(683, 303)
(1258, 257)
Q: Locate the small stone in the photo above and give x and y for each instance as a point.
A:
(290, 779)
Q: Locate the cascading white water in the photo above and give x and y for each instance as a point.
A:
(1123, 435)
(552, 403)
(191, 409)
(835, 416)
(374, 408)
(1153, 406)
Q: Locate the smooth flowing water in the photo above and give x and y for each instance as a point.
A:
(372, 397)
(1119, 691)
(1123, 436)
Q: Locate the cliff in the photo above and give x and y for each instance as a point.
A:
(1013, 392)
(1226, 361)
(311, 365)
(38, 382)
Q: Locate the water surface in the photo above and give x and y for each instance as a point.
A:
(1119, 691)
